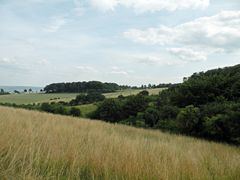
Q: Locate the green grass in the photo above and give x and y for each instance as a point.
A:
(129, 92)
(39, 98)
(35, 98)
(86, 109)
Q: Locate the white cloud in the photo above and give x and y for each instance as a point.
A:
(119, 72)
(87, 69)
(43, 62)
(216, 33)
(55, 24)
(188, 54)
(105, 5)
(6, 60)
(155, 59)
(141, 6)
(115, 68)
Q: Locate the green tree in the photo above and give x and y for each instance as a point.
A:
(151, 116)
(75, 112)
(109, 110)
(144, 93)
(135, 104)
(188, 120)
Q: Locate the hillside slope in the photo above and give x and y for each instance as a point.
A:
(36, 145)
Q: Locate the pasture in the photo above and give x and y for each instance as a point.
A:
(35, 145)
(36, 98)
(128, 92)
(40, 97)
(86, 108)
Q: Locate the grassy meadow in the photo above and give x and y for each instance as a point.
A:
(129, 92)
(40, 97)
(86, 108)
(36, 98)
(35, 145)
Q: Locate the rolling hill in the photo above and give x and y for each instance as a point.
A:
(35, 145)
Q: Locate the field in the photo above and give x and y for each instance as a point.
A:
(36, 145)
(35, 98)
(39, 98)
(86, 108)
(129, 92)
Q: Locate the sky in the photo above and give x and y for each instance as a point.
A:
(130, 42)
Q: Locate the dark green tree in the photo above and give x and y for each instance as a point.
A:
(188, 120)
(151, 116)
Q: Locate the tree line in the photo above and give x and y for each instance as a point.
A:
(205, 105)
(96, 86)
(82, 87)
(2, 92)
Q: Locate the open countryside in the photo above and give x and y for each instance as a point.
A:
(29, 98)
(120, 90)
(71, 148)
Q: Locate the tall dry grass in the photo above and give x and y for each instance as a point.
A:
(36, 145)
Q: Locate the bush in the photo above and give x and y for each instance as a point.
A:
(188, 120)
(134, 104)
(75, 112)
(109, 110)
(222, 124)
(87, 99)
(54, 108)
(143, 93)
(168, 112)
(151, 116)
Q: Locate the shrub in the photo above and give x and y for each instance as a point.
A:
(75, 112)
(188, 120)
(109, 110)
(143, 93)
(151, 116)
(134, 104)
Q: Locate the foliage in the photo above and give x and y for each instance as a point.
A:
(77, 87)
(109, 110)
(202, 88)
(2, 92)
(151, 116)
(55, 108)
(188, 120)
(87, 98)
(75, 112)
(144, 93)
(205, 105)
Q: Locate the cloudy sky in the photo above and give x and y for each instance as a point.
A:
(125, 41)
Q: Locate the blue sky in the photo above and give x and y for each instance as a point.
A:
(125, 41)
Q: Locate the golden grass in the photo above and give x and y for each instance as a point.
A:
(35, 145)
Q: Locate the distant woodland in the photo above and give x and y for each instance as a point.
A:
(95, 86)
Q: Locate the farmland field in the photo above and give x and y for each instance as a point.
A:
(39, 98)
(35, 98)
(35, 145)
(129, 92)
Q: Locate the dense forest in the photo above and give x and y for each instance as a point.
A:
(95, 86)
(205, 105)
(78, 87)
